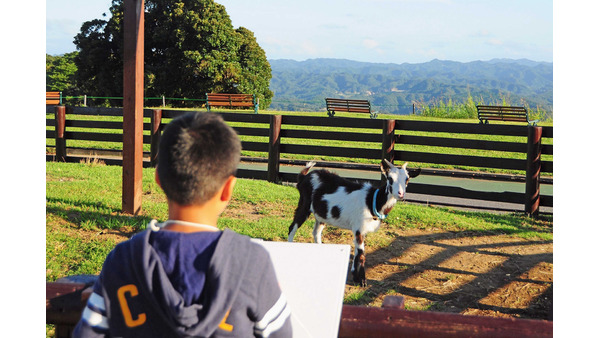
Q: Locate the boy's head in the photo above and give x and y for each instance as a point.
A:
(198, 152)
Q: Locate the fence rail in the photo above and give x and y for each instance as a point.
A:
(388, 137)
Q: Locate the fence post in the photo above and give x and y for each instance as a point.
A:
(533, 170)
(155, 135)
(388, 142)
(59, 129)
(274, 145)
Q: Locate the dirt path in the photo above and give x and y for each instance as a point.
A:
(462, 272)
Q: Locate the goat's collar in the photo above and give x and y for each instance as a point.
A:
(380, 216)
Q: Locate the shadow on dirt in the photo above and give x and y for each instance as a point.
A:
(463, 272)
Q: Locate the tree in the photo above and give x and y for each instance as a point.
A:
(60, 73)
(256, 70)
(190, 49)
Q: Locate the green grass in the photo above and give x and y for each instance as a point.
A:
(84, 202)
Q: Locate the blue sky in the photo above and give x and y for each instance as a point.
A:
(393, 31)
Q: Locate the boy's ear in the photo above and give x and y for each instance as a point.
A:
(156, 178)
(227, 191)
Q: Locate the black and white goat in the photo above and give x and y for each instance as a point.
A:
(359, 207)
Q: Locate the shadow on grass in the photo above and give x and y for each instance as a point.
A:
(99, 216)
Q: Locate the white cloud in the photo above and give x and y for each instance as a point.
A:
(370, 43)
(495, 42)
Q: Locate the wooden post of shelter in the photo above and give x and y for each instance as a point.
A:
(133, 105)
(533, 170)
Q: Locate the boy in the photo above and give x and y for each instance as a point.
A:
(184, 277)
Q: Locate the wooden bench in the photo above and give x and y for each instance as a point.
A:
(502, 113)
(232, 101)
(66, 300)
(53, 98)
(351, 106)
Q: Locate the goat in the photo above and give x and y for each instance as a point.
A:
(359, 207)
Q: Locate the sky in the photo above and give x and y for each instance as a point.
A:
(388, 31)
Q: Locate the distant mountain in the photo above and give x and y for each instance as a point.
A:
(393, 88)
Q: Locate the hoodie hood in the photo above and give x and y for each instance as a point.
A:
(224, 277)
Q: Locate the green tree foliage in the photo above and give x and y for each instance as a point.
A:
(60, 73)
(256, 70)
(190, 49)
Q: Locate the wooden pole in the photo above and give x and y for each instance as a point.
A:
(388, 142)
(133, 103)
(59, 132)
(155, 135)
(274, 145)
(533, 170)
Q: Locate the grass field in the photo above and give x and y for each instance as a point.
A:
(84, 222)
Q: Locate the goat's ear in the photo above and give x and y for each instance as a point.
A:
(385, 166)
(414, 173)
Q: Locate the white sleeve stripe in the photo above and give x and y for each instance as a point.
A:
(272, 313)
(276, 324)
(97, 301)
(94, 319)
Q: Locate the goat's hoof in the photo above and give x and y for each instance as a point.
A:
(361, 282)
(359, 277)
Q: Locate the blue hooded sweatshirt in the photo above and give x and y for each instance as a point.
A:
(151, 287)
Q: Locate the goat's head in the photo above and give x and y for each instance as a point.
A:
(397, 179)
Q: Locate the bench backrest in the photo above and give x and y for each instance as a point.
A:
(53, 98)
(231, 101)
(351, 106)
(503, 113)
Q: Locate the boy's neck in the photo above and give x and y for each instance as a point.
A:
(200, 214)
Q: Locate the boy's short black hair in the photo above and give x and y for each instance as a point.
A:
(196, 155)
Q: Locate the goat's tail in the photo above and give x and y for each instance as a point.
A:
(305, 170)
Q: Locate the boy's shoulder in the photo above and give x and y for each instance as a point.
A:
(230, 242)
(240, 246)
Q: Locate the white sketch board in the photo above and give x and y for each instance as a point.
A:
(313, 278)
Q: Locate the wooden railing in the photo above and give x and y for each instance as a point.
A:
(284, 135)
(65, 301)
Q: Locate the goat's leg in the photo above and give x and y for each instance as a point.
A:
(317, 230)
(358, 264)
(300, 215)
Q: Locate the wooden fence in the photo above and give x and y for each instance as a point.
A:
(283, 135)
